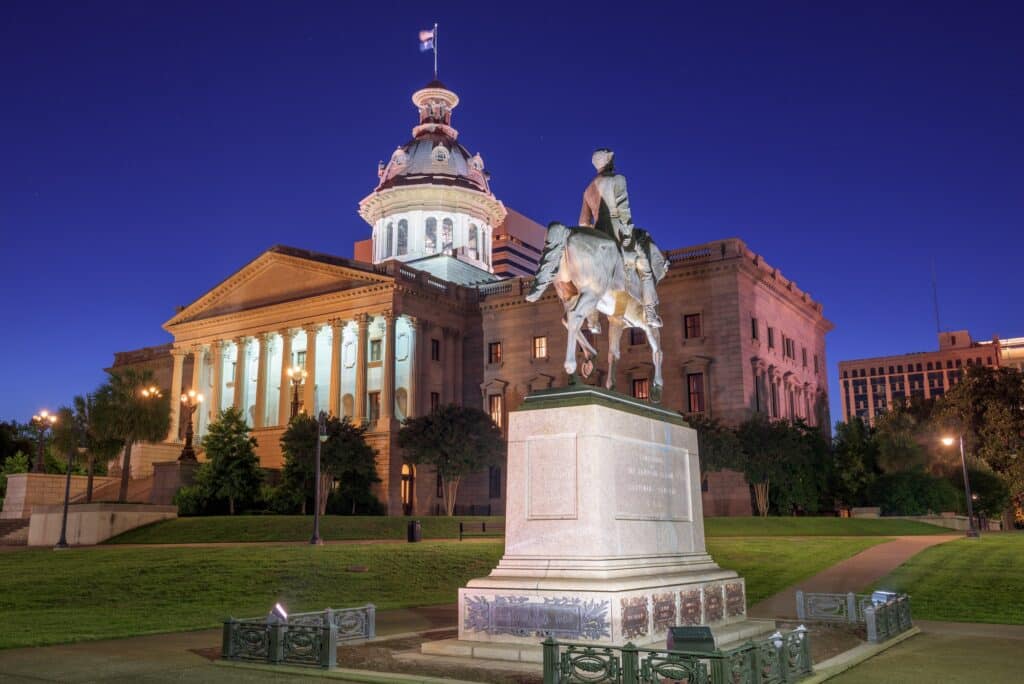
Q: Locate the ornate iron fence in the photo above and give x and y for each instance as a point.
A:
(885, 614)
(779, 659)
(309, 639)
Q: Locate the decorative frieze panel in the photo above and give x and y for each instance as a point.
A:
(690, 607)
(561, 617)
(635, 617)
(714, 606)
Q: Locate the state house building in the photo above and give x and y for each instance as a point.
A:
(430, 310)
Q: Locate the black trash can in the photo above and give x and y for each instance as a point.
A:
(414, 532)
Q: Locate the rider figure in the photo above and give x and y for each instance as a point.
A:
(606, 209)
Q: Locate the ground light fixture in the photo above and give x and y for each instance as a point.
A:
(972, 531)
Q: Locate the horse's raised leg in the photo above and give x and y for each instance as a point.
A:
(615, 326)
(574, 323)
(654, 339)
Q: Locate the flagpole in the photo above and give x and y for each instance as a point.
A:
(435, 51)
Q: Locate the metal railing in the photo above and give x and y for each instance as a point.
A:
(307, 639)
(885, 614)
(779, 659)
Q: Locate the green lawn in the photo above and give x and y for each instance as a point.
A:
(54, 597)
(267, 528)
(966, 580)
(251, 528)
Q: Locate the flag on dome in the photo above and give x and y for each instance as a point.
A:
(427, 40)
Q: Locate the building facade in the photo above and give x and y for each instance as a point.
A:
(431, 311)
(870, 387)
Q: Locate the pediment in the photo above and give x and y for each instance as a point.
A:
(274, 278)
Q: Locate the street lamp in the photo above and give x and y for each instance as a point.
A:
(298, 375)
(321, 422)
(190, 401)
(972, 531)
(42, 421)
(63, 542)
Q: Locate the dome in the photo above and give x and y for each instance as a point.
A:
(434, 156)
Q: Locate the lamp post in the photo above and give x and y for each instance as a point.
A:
(62, 543)
(298, 376)
(190, 401)
(42, 421)
(972, 531)
(321, 438)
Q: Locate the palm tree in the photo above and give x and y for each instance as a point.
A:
(97, 446)
(129, 410)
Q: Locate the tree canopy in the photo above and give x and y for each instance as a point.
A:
(457, 441)
(232, 471)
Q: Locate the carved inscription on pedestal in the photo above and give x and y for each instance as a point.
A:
(634, 617)
(735, 602)
(714, 610)
(651, 483)
(664, 609)
(689, 607)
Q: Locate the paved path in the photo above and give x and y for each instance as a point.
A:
(853, 574)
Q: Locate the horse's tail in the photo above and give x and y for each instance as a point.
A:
(554, 247)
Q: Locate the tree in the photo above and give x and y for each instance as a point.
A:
(232, 470)
(900, 446)
(98, 447)
(67, 436)
(763, 444)
(345, 456)
(457, 441)
(855, 453)
(717, 444)
(993, 496)
(12, 465)
(123, 413)
(14, 438)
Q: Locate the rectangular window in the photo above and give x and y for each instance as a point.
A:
(803, 356)
(775, 400)
(637, 336)
(691, 326)
(300, 359)
(494, 482)
(771, 338)
(435, 401)
(494, 352)
(753, 329)
(375, 349)
(815, 363)
(435, 350)
(695, 391)
(373, 410)
(540, 347)
(495, 407)
(641, 388)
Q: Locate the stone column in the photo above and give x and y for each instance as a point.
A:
(240, 344)
(284, 402)
(262, 347)
(335, 384)
(309, 387)
(387, 395)
(363, 321)
(412, 406)
(217, 356)
(179, 366)
(197, 370)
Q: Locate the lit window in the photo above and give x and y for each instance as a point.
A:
(695, 391)
(641, 388)
(375, 347)
(495, 407)
(540, 347)
(691, 326)
(494, 352)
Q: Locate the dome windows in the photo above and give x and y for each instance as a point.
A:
(389, 240)
(430, 241)
(447, 229)
(471, 245)
(399, 158)
(476, 163)
(403, 237)
(440, 154)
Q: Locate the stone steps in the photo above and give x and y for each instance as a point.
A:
(14, 532)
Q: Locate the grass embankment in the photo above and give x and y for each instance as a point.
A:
(283, 528)
(273, 528)
(81, 594)
(969, 580)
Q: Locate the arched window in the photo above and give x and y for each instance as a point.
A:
(389, 241)
(430, 241)
(403, 237)
(447, 228)
(471, 246)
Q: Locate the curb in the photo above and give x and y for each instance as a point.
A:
(847, 660)
(343, 674)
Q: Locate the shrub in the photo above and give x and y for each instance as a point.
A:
(283, 499)
(190, 501)
(913, 493)
(339, 502)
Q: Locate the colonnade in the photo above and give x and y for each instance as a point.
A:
(779, 393)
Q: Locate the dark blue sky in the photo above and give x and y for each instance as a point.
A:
(147, 150)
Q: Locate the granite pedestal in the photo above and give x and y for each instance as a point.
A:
(604, 534)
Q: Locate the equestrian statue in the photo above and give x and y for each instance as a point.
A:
(605, 265)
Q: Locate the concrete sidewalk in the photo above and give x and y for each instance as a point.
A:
(853, 574)
(176, 657)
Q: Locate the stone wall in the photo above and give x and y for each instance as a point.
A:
(90, 524)
(26, 490)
